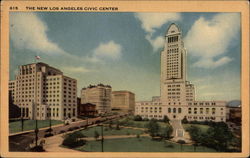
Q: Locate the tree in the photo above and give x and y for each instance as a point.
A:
(167, 132)
(74, 140)
(96, 135)
(153, 127)
(117, 126)
(184, 120)
(166, 119)
(137, 118)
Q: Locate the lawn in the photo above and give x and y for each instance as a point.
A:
(30, 125)
(143, 144)
(140, 124)
(89, 132)
(203, 128)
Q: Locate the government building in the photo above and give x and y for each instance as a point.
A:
(177, 95)
(43, 92)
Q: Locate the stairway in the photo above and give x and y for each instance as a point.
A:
(178, 131)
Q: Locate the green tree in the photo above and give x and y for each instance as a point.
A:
(167, 132)
(137, 118)
(74, 140)
(153, 127)
(184, 120)
(96, 135)
(166, 119)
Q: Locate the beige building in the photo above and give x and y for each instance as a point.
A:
(123, 101)
(177, 94)
(100, 95)
(41, 90)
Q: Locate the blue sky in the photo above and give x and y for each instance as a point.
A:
(123, 49)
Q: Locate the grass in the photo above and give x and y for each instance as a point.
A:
(30, 125)
(144, 144)
(89, 132)
(203, 128)
(140, 124)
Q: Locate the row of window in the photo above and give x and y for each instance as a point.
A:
(173, 39)
(202, 103)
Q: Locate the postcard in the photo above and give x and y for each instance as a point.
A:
(124, 78)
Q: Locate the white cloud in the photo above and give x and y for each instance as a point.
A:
(208, 39)
(150, 22)
(28, 31)
(79, 69)
(110, 50)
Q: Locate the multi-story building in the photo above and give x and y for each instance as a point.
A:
(123, 101)
(100, 95)
(43, 92)
(177, 94)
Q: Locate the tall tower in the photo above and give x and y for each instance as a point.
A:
(173, 68)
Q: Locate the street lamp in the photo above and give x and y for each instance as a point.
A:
(36, 132)
(102, 140)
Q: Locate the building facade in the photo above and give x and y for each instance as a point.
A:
(99, 95)
(43, 92)
(177, 94)
(86, 110)
(123, 101)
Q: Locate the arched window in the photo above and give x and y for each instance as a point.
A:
(174, 110)
(169, 110)
(179, 110)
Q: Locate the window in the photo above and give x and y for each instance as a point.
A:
(213, 110)
(174, 110)
(201, 110)
(169, 110)
(189, 110)
(195, 110)
(207, 110)
(179, 110)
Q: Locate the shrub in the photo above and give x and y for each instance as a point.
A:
(117, 126)
(96, 135)
(49, 130)
(145, 119)
(38, 148)
(62, 131)
(71, 129)
(184, 120)
(137, 118)
(74, 140)
(165, 119)
(66, 124)
(48, 135)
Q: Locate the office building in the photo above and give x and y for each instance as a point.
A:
(43, 92)
(123, 101)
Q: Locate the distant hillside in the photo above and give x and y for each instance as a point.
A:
(234, 103)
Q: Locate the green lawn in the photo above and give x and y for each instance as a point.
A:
(203, 128)
(144, 144)
(30, 125)
(139, 124)
(89, 132)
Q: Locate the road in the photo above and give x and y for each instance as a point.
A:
(21, 141)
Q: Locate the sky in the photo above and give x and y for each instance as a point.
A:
(123, 49)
